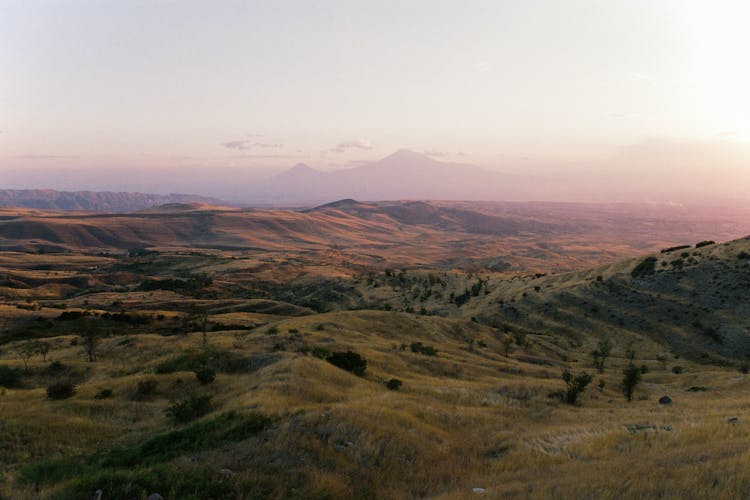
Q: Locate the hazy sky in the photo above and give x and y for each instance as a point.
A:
(252, 85)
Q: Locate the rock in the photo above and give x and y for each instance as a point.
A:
(634, 428)
(733, 420)
(478, 490)
(226, 473)
(98, 495)
(155, 496)
(665, 400)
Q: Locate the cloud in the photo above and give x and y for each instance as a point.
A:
(360, 144)
(245, 145)
(40, 157)
(638, 76)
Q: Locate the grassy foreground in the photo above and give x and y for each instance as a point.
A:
(283, 422)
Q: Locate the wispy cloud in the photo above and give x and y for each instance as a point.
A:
(246, 144)
(357, 144)
(40, 157)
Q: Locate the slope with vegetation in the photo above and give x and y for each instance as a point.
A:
(211, 374)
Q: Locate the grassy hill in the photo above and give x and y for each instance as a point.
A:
(479, 404)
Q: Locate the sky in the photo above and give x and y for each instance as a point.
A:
(112, 93)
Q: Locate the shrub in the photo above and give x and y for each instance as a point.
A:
(145, 389)
(601, 353)
(349, 361)
(321, 352)
(644, 268)
(394, 384)
(704, 243)
(56, 367)
(674, 249)
(744, 368)
(61, 390)
(677, 369)
(575, 385)
(189, 409)
(205, 375)
(743, 255)
(631, 377)
(103, 394)
(420, 348)
(193, 360)
(10, 377)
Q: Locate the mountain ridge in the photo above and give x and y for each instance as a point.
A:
(100, 201)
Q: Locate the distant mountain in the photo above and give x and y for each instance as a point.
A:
(100, 201)
(402, 175)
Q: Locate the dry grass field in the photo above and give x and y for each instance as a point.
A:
(223, 373)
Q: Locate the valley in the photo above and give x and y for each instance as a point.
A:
(374, 350)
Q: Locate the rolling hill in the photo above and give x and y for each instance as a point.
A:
(461, 387)
(99, 201)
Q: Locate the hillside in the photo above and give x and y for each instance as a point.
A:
(99, 201)
(353, 236)
(251, 404)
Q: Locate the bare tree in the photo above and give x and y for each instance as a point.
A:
(90, 338)
(199, 318)
(26, 350)
(43, 349)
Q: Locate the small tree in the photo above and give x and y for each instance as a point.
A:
(601, 353)
(90, 338)
(26, 350)
(662, 358)
(575, 385)
(43, 349)
(199, 318)
(631, 378)
(508, 345)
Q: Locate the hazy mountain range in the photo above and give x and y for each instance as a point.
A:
(99, 201)
(402, 175)
(635, 176)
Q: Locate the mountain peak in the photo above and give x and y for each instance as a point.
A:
(407, 155)
(300, 168)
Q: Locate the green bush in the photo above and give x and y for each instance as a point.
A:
(574, 385)
(103, 394)
(193, 360)
(205, 375)
(10, 377)
(56, 367)
(189, 409)
(644, 268)
(420, 348)
(321, 352)
(631, 377)
(704, 243)
(61, 390)
(349, 361)
(226, 428)
(394, 384)
(145, 389)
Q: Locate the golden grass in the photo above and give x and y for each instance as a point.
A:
(461, 420)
